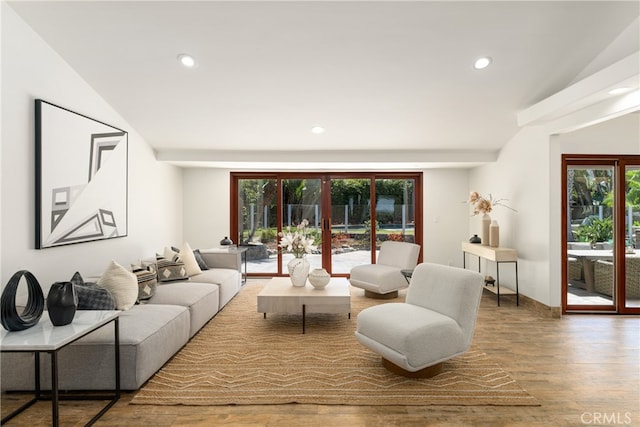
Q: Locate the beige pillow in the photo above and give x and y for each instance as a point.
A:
(169, 254)
(189, 259)
(122, 284)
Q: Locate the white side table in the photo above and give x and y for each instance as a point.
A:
(46, 338)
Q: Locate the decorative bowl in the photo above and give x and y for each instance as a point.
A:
(319, 278)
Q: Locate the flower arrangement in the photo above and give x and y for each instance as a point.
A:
(297, 242)
(484, 205)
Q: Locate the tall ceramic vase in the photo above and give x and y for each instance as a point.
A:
(486, 224)
(62, 302)
(298, 271)
(494, 234)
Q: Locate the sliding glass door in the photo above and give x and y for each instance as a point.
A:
(349, 216)
(601, 216)
(590, 237)
(350, 223)
(631, 260)
(302, 199)
(255, 215)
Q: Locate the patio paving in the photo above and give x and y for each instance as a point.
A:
(342, 263)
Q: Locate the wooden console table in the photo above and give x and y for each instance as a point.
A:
(497, 255)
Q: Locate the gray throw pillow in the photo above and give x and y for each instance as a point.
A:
(203, 265)
(170, 270)
(91, 296)
(147, 282)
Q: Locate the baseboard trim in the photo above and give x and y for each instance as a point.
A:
(540, 308)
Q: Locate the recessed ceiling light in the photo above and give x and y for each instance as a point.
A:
(482, 63)
(317, 130)
(187, 60)
(619, 90)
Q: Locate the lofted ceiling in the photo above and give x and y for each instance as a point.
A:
(392, 78)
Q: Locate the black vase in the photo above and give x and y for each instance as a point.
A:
(62, 302)
(226, 241)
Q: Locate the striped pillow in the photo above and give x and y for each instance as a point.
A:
(170, 270)
(147, 282)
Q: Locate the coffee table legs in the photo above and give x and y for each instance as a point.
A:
(304, 312)
(304, 317)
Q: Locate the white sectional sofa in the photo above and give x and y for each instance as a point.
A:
(150, 334)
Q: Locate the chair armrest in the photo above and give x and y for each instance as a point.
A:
(221, 259)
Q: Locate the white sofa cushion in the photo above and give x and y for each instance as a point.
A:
(202, 300)
(227, 279)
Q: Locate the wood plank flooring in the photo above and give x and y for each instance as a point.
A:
(584, 369)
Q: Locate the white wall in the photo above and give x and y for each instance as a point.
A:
(206, 206)
(446, 216)
(521, 176)
(616, 136)
(206, 212)
(31, 69)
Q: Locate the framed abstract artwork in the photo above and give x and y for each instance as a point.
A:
(81, 178)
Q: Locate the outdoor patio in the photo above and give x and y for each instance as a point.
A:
(341, 262)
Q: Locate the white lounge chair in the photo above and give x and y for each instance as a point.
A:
(384, 278)
(436, 323)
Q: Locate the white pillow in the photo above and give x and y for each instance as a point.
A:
(189, 259)
(169, 253)
(122, 284)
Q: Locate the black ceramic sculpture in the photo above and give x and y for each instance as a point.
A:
(62, 303)
(226, 241)
(10, 319)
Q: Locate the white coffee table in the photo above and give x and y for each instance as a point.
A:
(46, 338)
(280, 296)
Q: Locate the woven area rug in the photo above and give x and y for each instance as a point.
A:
(241, 358)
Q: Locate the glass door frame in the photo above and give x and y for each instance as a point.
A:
(620, 274)
(618, 163)
(325, 178)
